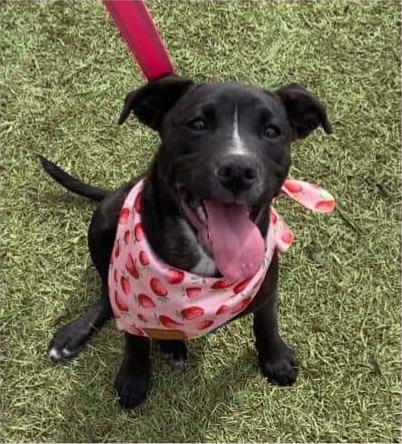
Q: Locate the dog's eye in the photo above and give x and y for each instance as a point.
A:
(197, 124)
(271, 131)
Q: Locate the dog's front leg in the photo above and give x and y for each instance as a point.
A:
(72, 337)
(132, 381)
(277, 361)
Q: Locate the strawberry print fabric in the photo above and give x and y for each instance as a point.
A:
(150, 298)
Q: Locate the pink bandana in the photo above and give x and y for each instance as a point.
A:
(150, 298)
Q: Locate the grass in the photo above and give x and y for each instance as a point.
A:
(65, 72)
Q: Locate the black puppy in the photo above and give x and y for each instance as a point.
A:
(223, 142)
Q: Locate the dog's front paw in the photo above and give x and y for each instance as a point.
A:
(69, 340)
(280, 366)
(131, 388)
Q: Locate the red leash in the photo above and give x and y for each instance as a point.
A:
(137, 28)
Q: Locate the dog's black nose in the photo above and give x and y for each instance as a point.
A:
(237, 173)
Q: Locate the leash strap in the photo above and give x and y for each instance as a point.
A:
(138, 30)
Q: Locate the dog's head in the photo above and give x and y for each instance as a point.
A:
(226, 142)
(223, 143)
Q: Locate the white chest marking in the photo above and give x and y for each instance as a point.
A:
(206, 265)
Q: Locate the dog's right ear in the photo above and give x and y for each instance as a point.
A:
(151, 102)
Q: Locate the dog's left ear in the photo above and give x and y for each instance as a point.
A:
(305, 112)
(151, 102)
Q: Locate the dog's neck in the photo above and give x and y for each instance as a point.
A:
(170, 234)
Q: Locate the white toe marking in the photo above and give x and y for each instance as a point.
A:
(54, 354)
(67, 352)
(178, 364)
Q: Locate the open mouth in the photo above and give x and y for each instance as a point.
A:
(229, 231)
(197, 208)
(193, 207)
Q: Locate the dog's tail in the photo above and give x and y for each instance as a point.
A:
(71, 183)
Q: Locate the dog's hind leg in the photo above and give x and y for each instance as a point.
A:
(175, 351)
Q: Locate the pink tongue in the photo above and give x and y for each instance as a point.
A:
(236, 242)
